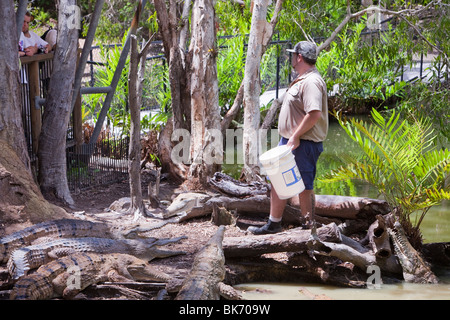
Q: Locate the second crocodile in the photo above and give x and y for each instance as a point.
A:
(62, 228)
(24, 259)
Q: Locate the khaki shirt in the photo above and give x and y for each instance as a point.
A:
(306, 93)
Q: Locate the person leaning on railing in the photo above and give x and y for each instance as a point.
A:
(29, 42)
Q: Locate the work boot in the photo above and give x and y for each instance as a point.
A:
(268, 228)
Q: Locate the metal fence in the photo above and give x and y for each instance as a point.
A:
(97, 164)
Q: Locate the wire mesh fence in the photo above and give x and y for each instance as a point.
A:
(97, 164)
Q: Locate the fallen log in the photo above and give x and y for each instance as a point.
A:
(260, 204)
(232, 187)
(327, 241)
(332, 206)
(344, 207)
(292, 240)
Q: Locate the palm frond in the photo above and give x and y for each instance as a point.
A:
(398, 159)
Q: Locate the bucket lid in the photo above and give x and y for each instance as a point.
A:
(274, 154)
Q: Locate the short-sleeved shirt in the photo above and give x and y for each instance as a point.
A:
(25, 42)
(306, 93)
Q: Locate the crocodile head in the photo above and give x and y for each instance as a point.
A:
(185, 202)
(142, 271)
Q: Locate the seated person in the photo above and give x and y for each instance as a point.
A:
(29, 42)
(51, 34)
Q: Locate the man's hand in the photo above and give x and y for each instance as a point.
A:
(31, 50)
(293, 142)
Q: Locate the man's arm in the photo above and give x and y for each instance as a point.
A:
(308, 122)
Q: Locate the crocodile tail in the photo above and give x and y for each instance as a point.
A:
(33, 287)
(18, 263)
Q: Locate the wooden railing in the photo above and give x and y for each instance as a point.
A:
(35, 76)
(35, 73)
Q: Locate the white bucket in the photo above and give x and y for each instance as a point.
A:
(282, 170)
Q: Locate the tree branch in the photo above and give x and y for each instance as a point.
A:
(401, 14)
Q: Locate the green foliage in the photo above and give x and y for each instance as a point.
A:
(363, 68)
(230, 68)
(116, 18)
(432, 102)
(399, 160)
(232, 18)
(117, 115)
(317, 17)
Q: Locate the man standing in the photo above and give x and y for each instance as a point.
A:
(30, 43)
(303, 125)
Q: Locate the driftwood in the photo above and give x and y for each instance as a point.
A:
(296, 239)
(260, 204)
(379, 238)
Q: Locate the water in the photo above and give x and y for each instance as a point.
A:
(403, 291)
(435, 228)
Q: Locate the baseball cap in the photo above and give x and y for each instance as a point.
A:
(306, 48)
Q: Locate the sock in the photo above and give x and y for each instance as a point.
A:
(273, 219)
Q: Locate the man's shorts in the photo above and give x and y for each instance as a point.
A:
(306, 156)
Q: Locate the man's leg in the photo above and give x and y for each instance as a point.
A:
(307, 205)
(277, 206)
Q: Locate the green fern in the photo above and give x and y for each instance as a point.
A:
(399, 160)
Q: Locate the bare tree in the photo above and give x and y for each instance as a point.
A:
(205, 114)
(401, 14)
(58, 106)
(137, 202)
(260, 34)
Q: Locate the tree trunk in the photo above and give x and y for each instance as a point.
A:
(178, 63)
(206, 141)
(137, 202)
(20, 198)
(137, 206)
(179, 89)
(252, 90)
(52, 142)
(11, 128)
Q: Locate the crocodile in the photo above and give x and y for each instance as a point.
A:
(68, 276)
(62, 228)
(184, 202)
(24, 259)
(205, 279)
(415, 269)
